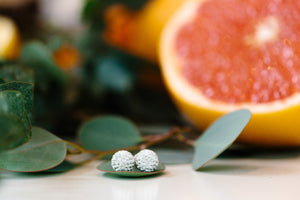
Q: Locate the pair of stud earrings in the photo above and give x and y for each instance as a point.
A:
(146, 160)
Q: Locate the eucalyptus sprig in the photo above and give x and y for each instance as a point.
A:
(91, 137)
(106, 135)
(27, 148)
(115, 133)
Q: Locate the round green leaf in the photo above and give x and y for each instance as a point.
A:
(219, 136)
(12, 102)
(110, 132)
(26, 122)
(26, 90)
(106, 167)
(42, 152)
(114, 75)
(14, 122)
(13, 132)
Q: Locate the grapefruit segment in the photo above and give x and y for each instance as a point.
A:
(218, 56)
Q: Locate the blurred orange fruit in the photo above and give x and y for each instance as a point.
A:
(9, 39)
(218, 56)
(67, 57)
(139, 32)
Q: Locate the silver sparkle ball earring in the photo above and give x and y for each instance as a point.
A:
(122, 161)
(146, 160)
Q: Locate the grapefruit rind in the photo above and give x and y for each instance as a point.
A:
(273, 123)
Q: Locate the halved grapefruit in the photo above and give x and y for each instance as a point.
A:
(218, 56)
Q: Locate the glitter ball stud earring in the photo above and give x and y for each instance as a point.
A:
(122, 161)
(146, 160)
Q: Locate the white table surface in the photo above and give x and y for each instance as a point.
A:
(222, 179)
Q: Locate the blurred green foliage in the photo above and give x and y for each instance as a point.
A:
(107, 80)
(93, 9)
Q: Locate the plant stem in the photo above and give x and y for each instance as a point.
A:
(180, 137)
(148, 141)
(152, 140)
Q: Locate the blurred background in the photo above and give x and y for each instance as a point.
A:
(64, 14)
(77, 61)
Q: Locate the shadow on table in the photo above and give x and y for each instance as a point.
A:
(228, 168)
(260, 153)
(115, 176)
(247, 169)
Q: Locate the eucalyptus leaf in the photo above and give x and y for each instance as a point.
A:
(37, 56)
(15, 124)
(26, 122)
(12, 102)
(109, 132)
(13, 132)
(42, 152)
(25, 88)
(10, 73)
(106, 167)
(114, 75)
(219, 136)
